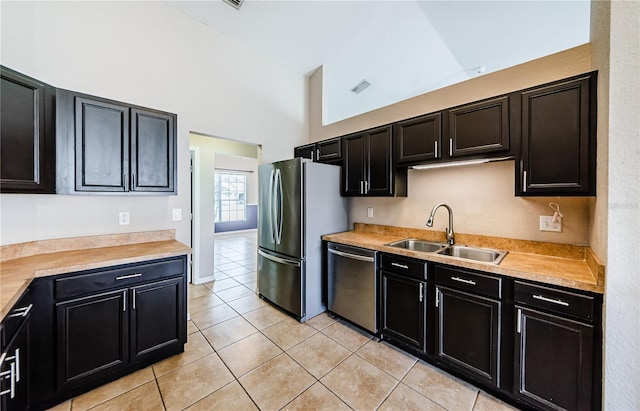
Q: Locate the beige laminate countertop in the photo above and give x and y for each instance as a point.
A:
(568, 266)
(90, 252)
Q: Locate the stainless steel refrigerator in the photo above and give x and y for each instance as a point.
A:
(299, 201)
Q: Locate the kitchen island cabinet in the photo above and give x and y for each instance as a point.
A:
(27, 135)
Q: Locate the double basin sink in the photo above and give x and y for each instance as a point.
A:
(485, 255)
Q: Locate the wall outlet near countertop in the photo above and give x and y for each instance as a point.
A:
(370, 212)
(547, 224)
(176, 214)
(123, 218)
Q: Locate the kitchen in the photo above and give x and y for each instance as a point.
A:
(280, 117)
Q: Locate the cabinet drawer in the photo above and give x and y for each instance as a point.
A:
(116, 277)
(404, 266)
(14, 318)
(552, 299)
(469, 281)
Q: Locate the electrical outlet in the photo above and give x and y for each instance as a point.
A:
(370, 212)
(547, 224)
(176, 214)
(123, 218)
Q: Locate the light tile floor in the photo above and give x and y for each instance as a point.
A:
(244, 354)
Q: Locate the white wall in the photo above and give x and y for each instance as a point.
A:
(148, 54)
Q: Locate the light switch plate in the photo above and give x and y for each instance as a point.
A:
(370, 212)
(176, 214)
(547, 224)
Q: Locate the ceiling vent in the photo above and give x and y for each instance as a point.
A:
(360, 87)
(235, 3)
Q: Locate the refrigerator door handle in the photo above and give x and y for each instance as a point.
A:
(271, 207)
(279, 260)
(281, 205)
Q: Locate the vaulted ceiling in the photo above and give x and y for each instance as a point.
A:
(403, 48)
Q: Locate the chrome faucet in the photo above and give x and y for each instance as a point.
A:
(449, 230)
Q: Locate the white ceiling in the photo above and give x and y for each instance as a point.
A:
(404, 48)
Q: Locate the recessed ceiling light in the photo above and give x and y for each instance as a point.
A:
(360, 86)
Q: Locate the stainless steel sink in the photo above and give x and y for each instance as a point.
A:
(417, 245)
(485, 255)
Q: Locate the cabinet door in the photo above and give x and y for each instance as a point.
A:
(101, 145)
(353, 175)
(553, 361)
(157, 317)
(330, 151)
(14, 371)
(379, 165)
(403, 309)
(92, 336)
(153, 151)
(468, 333)
(479, 128)
(558, 140)
(27, 135)
(306, 151)
(419, 139)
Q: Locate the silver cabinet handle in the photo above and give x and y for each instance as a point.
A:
(317, 154)
(519, 323)
(406, 267)
(11, 373)
(361, 187)
(352, 256)
(21, 312)
(421, 292)
(464, 281)
(524, 181)
(437, 297)
(550, 300)
(366, 187)
(133, 299)
(124, 301)
(124, 277)
(450, 147)
(435, 149)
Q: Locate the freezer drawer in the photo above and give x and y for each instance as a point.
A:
(280, 280)
(352, 285)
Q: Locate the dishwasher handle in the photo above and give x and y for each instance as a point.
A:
(352, 256)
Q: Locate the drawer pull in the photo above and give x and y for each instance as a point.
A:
(11, 374)
(550, 300)
(406, 267)
(16, 359)
(464, 281)
(21, 312)
(421, 296)
(124, 277)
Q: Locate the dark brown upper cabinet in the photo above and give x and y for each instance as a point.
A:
(27, 140)
(419, 139)
(479, 128)
(368, 165)
(105, 146)
(325, 151)
(329, 151)
(306, 151)
(558, 126)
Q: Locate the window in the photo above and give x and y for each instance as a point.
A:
(230, 196)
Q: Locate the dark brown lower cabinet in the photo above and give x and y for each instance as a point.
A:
(403, 309)
(468, 336)
(553, 361)
(92, 337)
(100, 334)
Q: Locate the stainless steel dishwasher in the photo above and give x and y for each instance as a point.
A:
(352, 286)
